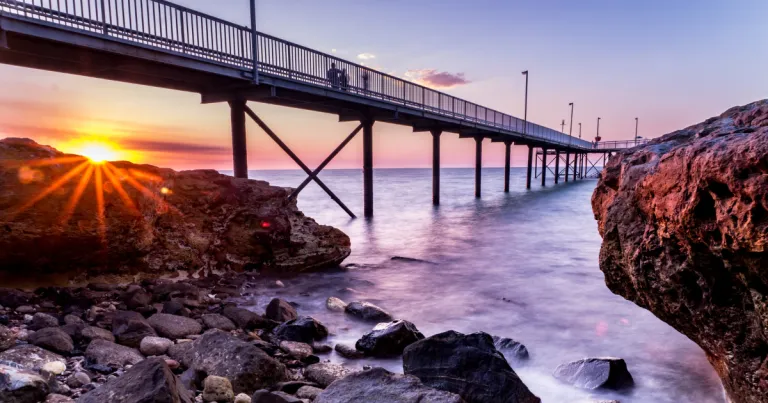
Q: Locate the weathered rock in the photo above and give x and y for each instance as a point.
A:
(280, 310)
(335, 304)
(325, 373)
(296, 349)
(192, 379)
(136, 297)
(320, 348)
(54, 367)
(78, 380)
(468, 365)
(246, 319)
(176, 307)
(152, 345)
(304, 329)
(130, 327)
(30, 357)
(102, 352)
(18, 385)
(221, 354)
(207, 220)
(594, 373)
(348, 351)
(217, 389)
(73, 320)
(367, 311)
(7, 338)
(41, 320)
(265, 396)
(174, 326)
(53, 339)
(242, 398)
(93, 332)
(13, 298)
(216, 321)
(56, 398)
(148, 381)
(378, 385)
(511, 348)
(684, 221)
(389, 339)
(308, 392)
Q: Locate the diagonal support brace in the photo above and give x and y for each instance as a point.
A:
(3, 38)
(296, 159)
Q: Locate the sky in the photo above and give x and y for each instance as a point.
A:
(669, 63)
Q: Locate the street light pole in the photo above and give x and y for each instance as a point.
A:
(570, 129)
(598, 128)
(636, 124)
(525, 115)
(579, 129)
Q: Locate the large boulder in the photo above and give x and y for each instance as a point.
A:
(130, 327)
(30, 357)
(596, 373)
(218, 353)
(378, 385)
(684, 221)
(19, 385)
(468, 365)
(106, 353)
(389, 339)
(158, 220)
(148, 381)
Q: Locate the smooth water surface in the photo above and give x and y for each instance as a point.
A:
(522, 265)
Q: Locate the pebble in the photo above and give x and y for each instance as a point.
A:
(78, 380)
(26, 309)
(54, 367)
(217, 389)
(242, 398)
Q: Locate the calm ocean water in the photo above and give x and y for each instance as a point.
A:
(522, 265)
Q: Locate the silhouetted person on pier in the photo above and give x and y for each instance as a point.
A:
(344, 80)
(333, 76)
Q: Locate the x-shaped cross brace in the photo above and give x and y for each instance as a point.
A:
(593, 166)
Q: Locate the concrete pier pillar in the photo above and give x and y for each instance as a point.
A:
(530, 167)
(543, 167)
(567, 165)
(368, 167)
(436, 166)
(557, 166)
(478, 163)
(239, 150)
(507, 158)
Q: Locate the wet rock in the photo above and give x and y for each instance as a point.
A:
(217, 389)
(296, 349)
(684, 226)
(280, 310)
(30, 357)
(73, 320)
(511, 349)
(320, 348)
(348, 351)
(242, 398)
(380, 385)
(192, 379)
(136, 297)
(335, 304)
(325, 373)
(175, 307)
(18, 385)
(594, 373)
(152, 345)
(148, 381)
(468, 365)
(367, 311)
(245, 365)
(165, 290)
(102, 352)
(194, 226)
(7, 338)
(304, 329)
(246, 319)
(265, 396)
(56, 398)
(78, 380)
(130, 327)
(26, 309)
(92, 333)
(53, 339)
(389, 339)
(216, 321)
(308, 392)
(41, 320)
(291, 387)
(174, 326)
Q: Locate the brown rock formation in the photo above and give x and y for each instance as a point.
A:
(154, 220)
(684, 221)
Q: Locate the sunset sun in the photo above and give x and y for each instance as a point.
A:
(98, 152)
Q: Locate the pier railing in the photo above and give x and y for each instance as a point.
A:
(165, 26)
(617, 145)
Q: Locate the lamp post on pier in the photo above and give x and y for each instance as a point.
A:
(570, 128)
(579, 129)
(636, 124)
(525, 114)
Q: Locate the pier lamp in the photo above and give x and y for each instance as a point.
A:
(525, 116)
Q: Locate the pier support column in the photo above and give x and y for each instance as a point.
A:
(478, 163)
(567, 165)
(581, 168)
(239, 150)
(543, 167)
(436, 166)
(530, 167)
(557, 166)
(507, 158)
(367, 167)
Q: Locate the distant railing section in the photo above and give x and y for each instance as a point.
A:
(163, 25)
(614, 145)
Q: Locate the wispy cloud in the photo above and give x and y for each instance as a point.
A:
(436, 79)
(366, 56)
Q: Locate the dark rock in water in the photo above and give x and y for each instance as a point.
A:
(174, 326)
(216, 321)
(367, 311)
(325, 373)
(280, 310)
(175, 307)
(685, 226)
(41, 320)
(320, 348)
(30, 357)
(54, 339)
(292, 387)
(378, 385)
(296, 349)
(511, 348)
(130, 327)
(165, 290)
(468, 365)
(221, 354)
(348, 351)
(594, 373)
(113, 355)
(389, 339)
(410, 260)
(148, 381)
(303, 329)
(246, 319)
(265, 396)
(18, 385)
(13, 298)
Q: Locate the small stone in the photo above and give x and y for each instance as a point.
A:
(265, 396)
(93, 333)
(348, 351)
(41, 320)
(54, 367)
(324, 373)
(174, 326)
(78, 380)
(280, 310)
(368, 312)
(308, 392)
(320, 348)
(28, 318)
(279, 284)
(152, 345)
(304, 329)
(7, 338)
(594, 373)
(73, 320)
(216, 321)
(25, 309)
(242, 398)
(335, 304)
(296, 349)
(217, 389)
(56, 398)
(54, 339)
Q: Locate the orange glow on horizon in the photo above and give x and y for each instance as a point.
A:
(96, 149)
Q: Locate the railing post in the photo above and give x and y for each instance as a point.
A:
(183, 32)
(254, 43)
(104, 18)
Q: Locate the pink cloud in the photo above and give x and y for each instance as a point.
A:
(436, 79)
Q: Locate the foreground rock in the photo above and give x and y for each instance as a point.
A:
(684, 221)
(203, 220)
(129, 328)
(595, 373)
(31, 357)
(217, 353)
(511, 348)
(468, 365)
(174, 326)
(102, 352)
(19, 385)
(367, 311)
(303, 329)
(280, 310)
(149, 381)
(389, 339)
(325, 373)
(381, 386)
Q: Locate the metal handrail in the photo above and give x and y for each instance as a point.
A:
(173, 28)
(620, 144)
